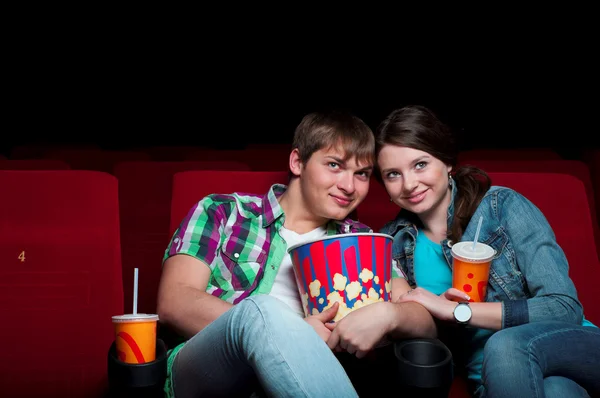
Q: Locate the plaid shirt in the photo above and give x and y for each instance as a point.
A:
(237, 235)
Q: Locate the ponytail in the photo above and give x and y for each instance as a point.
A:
(472, 184)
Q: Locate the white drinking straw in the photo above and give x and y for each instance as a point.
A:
(135, 290)
(477, 232)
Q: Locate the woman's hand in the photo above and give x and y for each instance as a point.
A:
(442, 306)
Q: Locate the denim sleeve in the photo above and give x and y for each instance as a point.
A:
(542, 263)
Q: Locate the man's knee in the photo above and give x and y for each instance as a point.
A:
(259, 308)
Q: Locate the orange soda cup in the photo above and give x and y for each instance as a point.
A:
(471, 268)
(135, 337)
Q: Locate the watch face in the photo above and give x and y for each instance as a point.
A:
(462, 313)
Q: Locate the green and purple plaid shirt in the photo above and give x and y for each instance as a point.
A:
(237, 236)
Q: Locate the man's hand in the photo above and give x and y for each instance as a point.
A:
(361, 330)
(319, 321)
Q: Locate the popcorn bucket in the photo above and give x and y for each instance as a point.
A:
(352, 269)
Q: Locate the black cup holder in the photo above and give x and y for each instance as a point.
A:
(425, 365)
(137, 380)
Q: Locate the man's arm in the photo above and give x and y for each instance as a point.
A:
(183, 303)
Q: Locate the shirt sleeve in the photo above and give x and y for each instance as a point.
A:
(199, 234)
(397, 271)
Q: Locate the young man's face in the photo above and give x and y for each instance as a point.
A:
(331, 186)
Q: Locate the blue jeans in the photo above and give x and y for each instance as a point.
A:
(542, 359)
(259, 341)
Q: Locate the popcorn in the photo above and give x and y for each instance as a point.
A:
(365, 275)
(339, 282)
(315, 288)
(353, 289)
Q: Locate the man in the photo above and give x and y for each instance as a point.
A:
(228, 284)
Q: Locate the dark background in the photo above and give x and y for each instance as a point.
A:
(123, 86)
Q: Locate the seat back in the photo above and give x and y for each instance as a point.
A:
(508, 154)
(33, 164)
(563, 200)
(95, 159)
(145, 210)
(257, 158)
(60, 277)
(189, 187)
(575, 168)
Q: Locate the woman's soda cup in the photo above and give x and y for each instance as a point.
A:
(471, 268)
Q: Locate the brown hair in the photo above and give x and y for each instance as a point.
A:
(320, 130)
(417, 127)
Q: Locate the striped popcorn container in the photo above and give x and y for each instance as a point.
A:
(352, 269)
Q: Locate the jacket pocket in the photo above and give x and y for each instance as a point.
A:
(505, 281)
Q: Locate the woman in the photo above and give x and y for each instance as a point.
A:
(536, 341)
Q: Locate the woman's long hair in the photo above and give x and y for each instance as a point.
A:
(417, 127)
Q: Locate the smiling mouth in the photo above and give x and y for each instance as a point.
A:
(341, 200)
(417, 197)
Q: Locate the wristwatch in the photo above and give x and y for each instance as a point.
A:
(462, 313)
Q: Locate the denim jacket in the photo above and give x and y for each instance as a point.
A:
(529, 273)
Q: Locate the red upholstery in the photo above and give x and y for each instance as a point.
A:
(191, 186)
(575, 168)
(169, 153)
(60, 277)
(592, 159)
(145, 208)
(508, 154)
(37, 151)
(376, 209)
(95, 159)
(563, 200)
(259, 159)
(33, 164)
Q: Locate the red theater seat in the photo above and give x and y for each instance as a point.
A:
(33, 164)
(145, 206)
(575, 168)
(508, 154)
(189, 187)
(259, 159)
(95, 159)
(60, 281)
(38, 151)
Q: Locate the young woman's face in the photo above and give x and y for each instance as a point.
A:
(415, 180)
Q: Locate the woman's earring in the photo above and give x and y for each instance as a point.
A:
(449, 179)
(391, 199)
